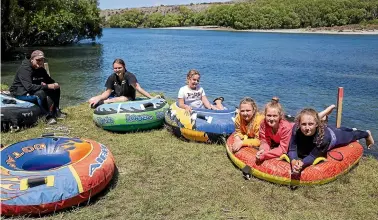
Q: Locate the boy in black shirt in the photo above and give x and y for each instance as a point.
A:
(33, 84)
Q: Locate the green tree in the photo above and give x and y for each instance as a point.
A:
(130, 19)
(48, 22)
(154, 20)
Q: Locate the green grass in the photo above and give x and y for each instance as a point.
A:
(162, 177)
(4, 87)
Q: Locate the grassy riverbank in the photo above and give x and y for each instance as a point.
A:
(162, 177)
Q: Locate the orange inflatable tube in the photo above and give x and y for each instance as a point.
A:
(338, 161)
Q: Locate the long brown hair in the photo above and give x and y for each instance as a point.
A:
(318, 121)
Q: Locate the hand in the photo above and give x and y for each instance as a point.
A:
(93, 101)
(296, 166)
(238, 143)
(51, 86)
(43, 84)
(212, 107)
(57, 86)
(259, 154)
(188, 110)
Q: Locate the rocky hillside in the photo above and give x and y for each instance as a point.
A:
(162, 8)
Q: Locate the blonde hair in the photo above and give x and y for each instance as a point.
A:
(249, 100)
(318, 121)
(191, 73)
(274, 103)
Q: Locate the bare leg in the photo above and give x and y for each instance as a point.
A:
(218, 104)
(116, 99)
(369, 140)
(323, 114)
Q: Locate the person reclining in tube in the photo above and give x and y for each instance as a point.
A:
(247, 125)
(32, 83)
(312, 138)
(193, 95)
(121, 86)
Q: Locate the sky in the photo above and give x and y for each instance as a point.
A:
(115, 4)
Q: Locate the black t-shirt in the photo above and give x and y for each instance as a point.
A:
(124, 87)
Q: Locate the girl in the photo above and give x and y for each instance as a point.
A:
(275, 132)
(247, 124)
(311, 138)
(193, 96)
(122, 84)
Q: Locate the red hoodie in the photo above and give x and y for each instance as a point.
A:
(281, 139)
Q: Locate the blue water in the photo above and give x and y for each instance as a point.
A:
(303, 70)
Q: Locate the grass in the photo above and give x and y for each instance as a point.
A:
(4, 87)
(162, 177)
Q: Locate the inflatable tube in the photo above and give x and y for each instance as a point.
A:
(43, 175)
(17, 113)
(142, 114)
(339, 161)
(203, 125)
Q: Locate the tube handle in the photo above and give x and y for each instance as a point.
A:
(36, 181)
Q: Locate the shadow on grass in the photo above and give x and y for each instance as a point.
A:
(91, 201)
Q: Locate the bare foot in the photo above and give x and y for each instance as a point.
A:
(369, 140)
(324, 114)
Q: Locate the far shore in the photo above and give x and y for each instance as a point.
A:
(288, 31)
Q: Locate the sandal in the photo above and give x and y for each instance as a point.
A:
(219, 98)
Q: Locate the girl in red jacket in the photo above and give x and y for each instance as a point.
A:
(275, 132)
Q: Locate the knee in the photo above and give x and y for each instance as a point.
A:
(40, 94)
(123, 99)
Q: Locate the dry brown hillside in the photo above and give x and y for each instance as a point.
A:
(162, 8)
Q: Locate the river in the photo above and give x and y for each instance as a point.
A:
(303, 70)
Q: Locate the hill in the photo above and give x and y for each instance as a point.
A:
(164, 9)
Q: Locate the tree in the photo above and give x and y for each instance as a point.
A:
(48, 22)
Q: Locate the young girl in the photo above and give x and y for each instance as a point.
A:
(275, 132)
(311, 138)
(247, 124)
(122, 84)
(193, 95)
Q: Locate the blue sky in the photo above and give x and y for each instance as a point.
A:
(115, 4)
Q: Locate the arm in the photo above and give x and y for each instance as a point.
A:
(238, 131)
(183, 106)
(293, 148)
(285, 135)
(26, 81)
(181, 100)
(46, 78)
(238, 136)
(103, 96)
(264, 139)
(315, 153)
(255, 139)
(141, 90)
(206, 102)
(326, 111)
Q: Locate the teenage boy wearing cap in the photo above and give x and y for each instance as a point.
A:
(32, 83)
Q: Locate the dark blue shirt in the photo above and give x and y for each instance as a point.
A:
(305, 147)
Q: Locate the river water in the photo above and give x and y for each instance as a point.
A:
(303, 70)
